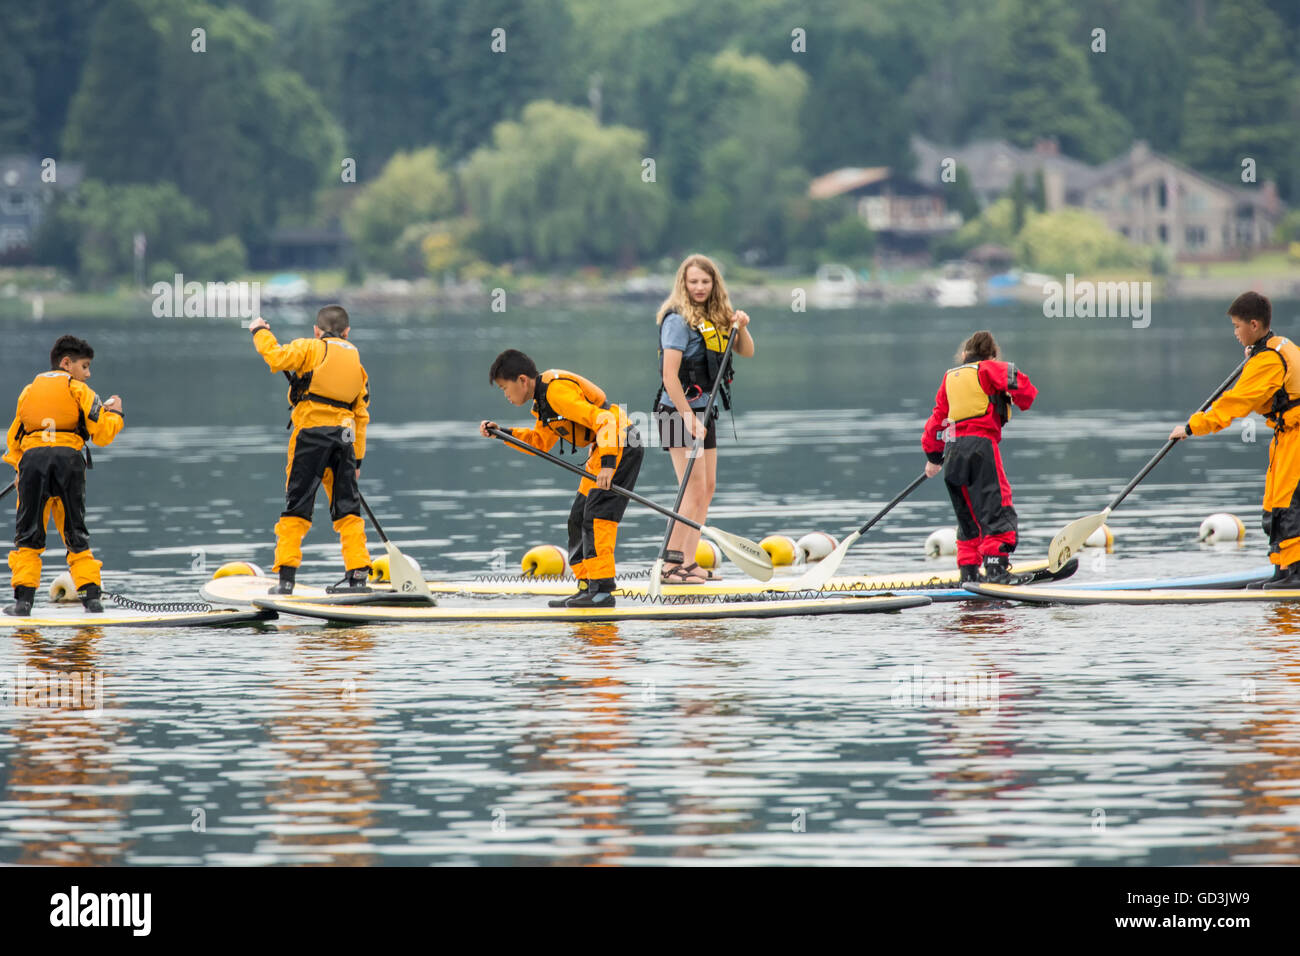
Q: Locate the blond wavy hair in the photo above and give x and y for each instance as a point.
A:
(715, 310)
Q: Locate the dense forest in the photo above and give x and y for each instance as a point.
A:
(568, 132)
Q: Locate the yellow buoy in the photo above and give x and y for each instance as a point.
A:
(707, 554)
(941, 541)
(379, 573)
(235, 568)
(544, 561)
(1222, 528)
(780, 548)
(63, 588)
(1103, 537)
(816, 545)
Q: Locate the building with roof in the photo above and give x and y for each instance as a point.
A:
(905, 214)
(24, 196)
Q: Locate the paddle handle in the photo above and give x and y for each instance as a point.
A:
(916, 483)
(1227, 383)
(632, 495)
(697, 443)
(379, 529)
(8, 488)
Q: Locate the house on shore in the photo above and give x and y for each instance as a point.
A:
(1143, 195)
(904, 213)
(24, 196)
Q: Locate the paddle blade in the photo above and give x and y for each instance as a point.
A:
(746, 554)
(406, 579)
(656, 578)
(1069, 541)
(815, 578)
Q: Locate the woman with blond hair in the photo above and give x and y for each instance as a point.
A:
(695, 323)
(961, 439)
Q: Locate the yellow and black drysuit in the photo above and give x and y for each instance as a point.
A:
(1269, 385)
(570, 408)
(330, 395)
(55, 418)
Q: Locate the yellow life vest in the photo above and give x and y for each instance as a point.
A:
(575, 433)
(1288, 396)
(702, 371)
(967, 398)
(336, 381)
(49, 402)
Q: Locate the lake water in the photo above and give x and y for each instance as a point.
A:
(1094, 735)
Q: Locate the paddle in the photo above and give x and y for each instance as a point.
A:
(749, 557)
(400, 570)
(11, 486)
(697, 448)
(816, 578)
(1072, 537)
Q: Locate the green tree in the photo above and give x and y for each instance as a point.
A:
(961, 195)
(1041, 86)
(1242, 98)
(243, 139)
(106, 219)
(1073, 240)
(558, 188)
(412, 188)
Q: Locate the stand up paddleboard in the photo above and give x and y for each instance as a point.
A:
(650, 610)
(240, 590)
(190, 614)
(1169, 594)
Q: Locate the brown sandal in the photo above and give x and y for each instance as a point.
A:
(694, 568)
(680, 575)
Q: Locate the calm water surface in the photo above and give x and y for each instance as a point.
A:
(1095, 735)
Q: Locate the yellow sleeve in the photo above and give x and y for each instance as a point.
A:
(299, 356)
(102, 424)
(361, 416)
(569, 403)
(1262, 376)
(540, 437)
(13, 449)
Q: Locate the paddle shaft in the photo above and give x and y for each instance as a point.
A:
(697, 443)
(11, 486)
(1227, 383)
(916, 483)
(373, 520)
(632, 495)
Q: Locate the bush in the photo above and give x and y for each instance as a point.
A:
(222, 261)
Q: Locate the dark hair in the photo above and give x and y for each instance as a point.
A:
(72, 346)
(979, 347)
(332, 319)
(1252, 306)
(509, 365)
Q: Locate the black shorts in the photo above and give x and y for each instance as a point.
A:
(673, 432)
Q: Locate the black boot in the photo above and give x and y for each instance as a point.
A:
(564, 601)
(969, 572)
(997, 570)
(288, 577)
(599, 593)
(24, 597)
(354, 582)
(90, 599)
(1288, 581)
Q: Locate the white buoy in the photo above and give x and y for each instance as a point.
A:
(64, 589)
(1222, 528)
(1103, 537)
(815, 545)
(780, 548)
(941, 541)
